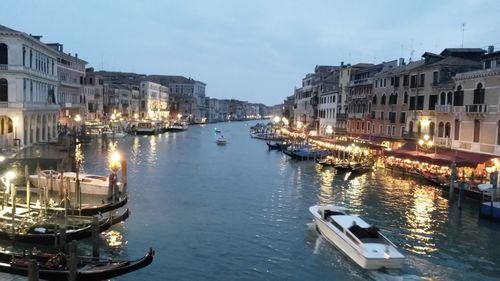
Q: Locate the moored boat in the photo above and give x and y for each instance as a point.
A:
(305, 153)
(361, 242)
(56, 266)
(89, 183)
(177, 127)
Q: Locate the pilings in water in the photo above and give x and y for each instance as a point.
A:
(95, 237)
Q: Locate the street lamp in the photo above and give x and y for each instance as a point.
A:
(114, 166)
(7, 179)
(285, 121)
(277, 119)
(179, 116)
(426, 143)
(329, 130)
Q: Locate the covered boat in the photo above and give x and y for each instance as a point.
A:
(361, 242)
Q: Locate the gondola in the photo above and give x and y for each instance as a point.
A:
(46, 233)
(55, 266)
(86, 210)
(277, 145)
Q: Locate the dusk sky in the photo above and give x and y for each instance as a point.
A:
(258, 50)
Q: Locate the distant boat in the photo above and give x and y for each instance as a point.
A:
(148, 127)
(358, 240)
(177, 127)
(221, 140)
(217, 131)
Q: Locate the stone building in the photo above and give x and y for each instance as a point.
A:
(469, 118)
(70, 93)
(28, 85)
(155, 98)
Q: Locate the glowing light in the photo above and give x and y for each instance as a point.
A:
(299, 125)
(10, 175)
(2, 158)
(329, 129)
(277, 119)
(426, 137)
(114, 161)
(285, 121)
(421, 142)
(78, 118)
(425, 122)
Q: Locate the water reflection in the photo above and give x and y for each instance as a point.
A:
(114, 239)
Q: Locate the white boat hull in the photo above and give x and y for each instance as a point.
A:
(86, 188)
(392, 260)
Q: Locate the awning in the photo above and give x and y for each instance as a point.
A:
(442, 157)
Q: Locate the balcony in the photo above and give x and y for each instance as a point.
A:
(341, 116)
(444, 108)
(476, 108)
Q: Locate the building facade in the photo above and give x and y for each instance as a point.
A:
(155, 98)
(28, 87)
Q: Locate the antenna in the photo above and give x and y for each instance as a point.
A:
(411, 55)
(463, 32)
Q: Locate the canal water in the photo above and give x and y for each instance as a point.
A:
(240, 212)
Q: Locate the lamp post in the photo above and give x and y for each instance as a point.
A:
(114, 166)
(425, 143)
(329, 131)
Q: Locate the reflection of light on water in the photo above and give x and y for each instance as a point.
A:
(114, 238)
(326, 188)
(152, 143)
(79, 156)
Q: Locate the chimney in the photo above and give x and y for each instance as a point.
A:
(341, 64)
(491, 49)
(76, 55)
(401, 61)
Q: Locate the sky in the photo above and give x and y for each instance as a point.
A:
(254, 50)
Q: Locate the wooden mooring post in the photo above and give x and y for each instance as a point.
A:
(33, 270)
(95, 237)
(72, 262)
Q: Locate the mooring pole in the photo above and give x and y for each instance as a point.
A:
(33, 270)
(95, 237)
(453, 177)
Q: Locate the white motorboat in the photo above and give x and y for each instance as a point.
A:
(363, 243)
(148, 127)
(221, 140)
(89, 184)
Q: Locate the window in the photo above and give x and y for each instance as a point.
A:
(374, 100)
(388, 130)
(447, 129)
(4, 55)
(432, 102)
(477, 130)
(410, 132)
(405, 98)
(413, 82)
(385, 82)
(382, 115)
(402, 118)
(405, 80)
(498, 133)
(420, 103)
(487, 64)
(4, 91)
(432, 127)
(24, 56)
(440, 129)
(435, 78)
(422, 80)
(450, 98)
(392, 117)
(392, 81)
(382, 100)
(458, 98)
(442, 98)
(457, 129)
(479, 94)
(396, 81)
(395, 99)
(412, 103)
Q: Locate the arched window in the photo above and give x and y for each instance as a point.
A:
(405, 99)
(410, 129)
(440, 129)
(382, 100)
(395, 99)
(374, 100)
(10, 126)
(447, 129)
(458, 98)
(432, 128)
(419, 128)
(4, 90)
(479, 94)
(450, 98)
(4, 55)
(477, 130)
(442, 98)
(457, 129)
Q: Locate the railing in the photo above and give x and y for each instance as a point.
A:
(475, 108)
(4, 67)
(444, 108)
(446, 142)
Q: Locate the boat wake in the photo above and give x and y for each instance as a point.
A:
(393, 275)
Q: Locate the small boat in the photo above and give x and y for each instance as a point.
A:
(86, 209)
(305, 153)
(56, 266)
(221, 140)
(217, 131)
(279, 145)
(46, 230)
(89, 183)
(177, 127)
(358, 240)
